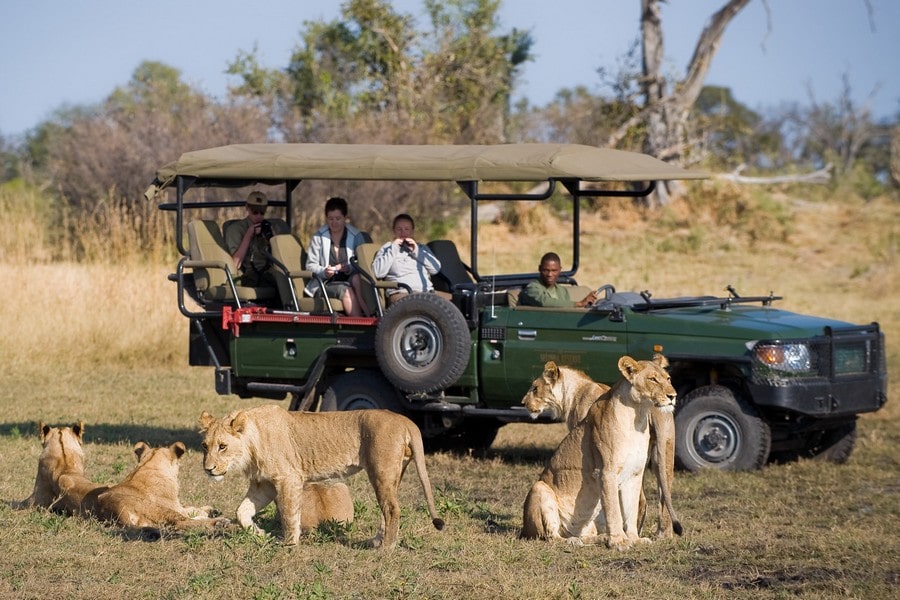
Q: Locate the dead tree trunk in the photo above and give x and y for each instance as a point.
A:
(666, 114)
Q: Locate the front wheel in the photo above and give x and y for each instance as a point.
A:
(358, 390)
(832, 445)
(715, 429)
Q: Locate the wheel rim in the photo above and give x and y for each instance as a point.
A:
(418, 343)
(715, 438)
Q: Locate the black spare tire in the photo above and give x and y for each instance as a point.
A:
(422, 343)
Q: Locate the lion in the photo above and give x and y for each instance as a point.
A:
(568, 393)
(279, 451)
(148, 496)
(60, 484)
(594, 479)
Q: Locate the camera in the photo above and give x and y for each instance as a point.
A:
(405, 246)
(265, 229)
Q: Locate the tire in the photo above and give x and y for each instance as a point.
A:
(832, 445)
(473, 436)
(715, 429)
(422, 343)
(358, 390)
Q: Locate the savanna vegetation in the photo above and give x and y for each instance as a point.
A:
(91, 330)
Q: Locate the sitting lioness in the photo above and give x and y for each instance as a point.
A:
(593, 481)
(280, 451)
(60, 483)
(568, 393)
(148, 496)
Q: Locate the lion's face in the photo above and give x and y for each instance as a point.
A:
(650, 381)
(545, 393)
(223, 446)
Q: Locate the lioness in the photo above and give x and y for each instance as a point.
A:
(60, 483)
(148, 496)
(593, 481)
(279, 451)
(568, 393)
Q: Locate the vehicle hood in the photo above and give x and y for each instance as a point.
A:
(736, 322)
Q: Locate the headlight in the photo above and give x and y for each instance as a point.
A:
(789, 358)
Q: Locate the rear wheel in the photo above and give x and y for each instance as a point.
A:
(472, 435)
(360, 389)
(715, 429)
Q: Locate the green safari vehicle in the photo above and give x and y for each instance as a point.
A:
(754, 381)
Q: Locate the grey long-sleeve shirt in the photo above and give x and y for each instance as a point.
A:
(393, 264)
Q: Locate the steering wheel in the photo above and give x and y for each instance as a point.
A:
(607, 291)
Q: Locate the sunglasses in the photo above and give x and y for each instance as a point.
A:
(258, 211)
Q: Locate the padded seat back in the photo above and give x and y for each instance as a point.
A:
(365, 254)
(453, 270)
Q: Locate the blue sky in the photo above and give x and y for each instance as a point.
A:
(56, 53)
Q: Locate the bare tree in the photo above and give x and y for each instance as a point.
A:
(667, 105)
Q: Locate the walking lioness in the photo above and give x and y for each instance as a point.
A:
(593, 481)
(279, 451)
(568, 393)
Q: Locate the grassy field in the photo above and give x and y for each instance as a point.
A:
(106, 344)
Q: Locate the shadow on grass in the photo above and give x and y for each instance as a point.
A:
(520, 455)
(112, 433)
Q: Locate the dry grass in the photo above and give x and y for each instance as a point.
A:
(107, 345)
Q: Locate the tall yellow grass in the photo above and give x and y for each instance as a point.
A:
(92, 288)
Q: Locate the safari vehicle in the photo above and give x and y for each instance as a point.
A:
(754, 381)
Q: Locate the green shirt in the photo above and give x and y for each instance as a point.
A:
(537, 294)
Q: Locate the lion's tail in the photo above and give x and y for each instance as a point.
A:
(418, 452)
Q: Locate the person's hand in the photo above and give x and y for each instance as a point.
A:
(409, 244)
(254, 230)
(588, 300)
(332, 270)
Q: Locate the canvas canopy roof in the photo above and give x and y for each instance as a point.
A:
(502, 162)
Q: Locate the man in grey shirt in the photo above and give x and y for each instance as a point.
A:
(404, 261)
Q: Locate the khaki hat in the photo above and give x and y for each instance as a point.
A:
(257, 199)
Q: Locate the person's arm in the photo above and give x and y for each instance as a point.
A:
(425, 256)
(381, 264)
(315, 259)
(238, 243)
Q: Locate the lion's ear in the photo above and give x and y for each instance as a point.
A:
(179, 449)
(206, 420)
(239, 422)
(661, 360)
(139, 449)
(628, 367)
(43, 430)
(78, 430)
(551, 372)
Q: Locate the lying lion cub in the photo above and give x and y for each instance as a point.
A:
(568, 393)
(279, 451)
(148, 496)
(594, 479)
(60, 483)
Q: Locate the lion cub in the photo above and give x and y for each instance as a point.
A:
(148, 496)
(594, 479)
(60, 483)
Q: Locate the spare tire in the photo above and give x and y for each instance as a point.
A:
(423, 343)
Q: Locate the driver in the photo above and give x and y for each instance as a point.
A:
(545, 291)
